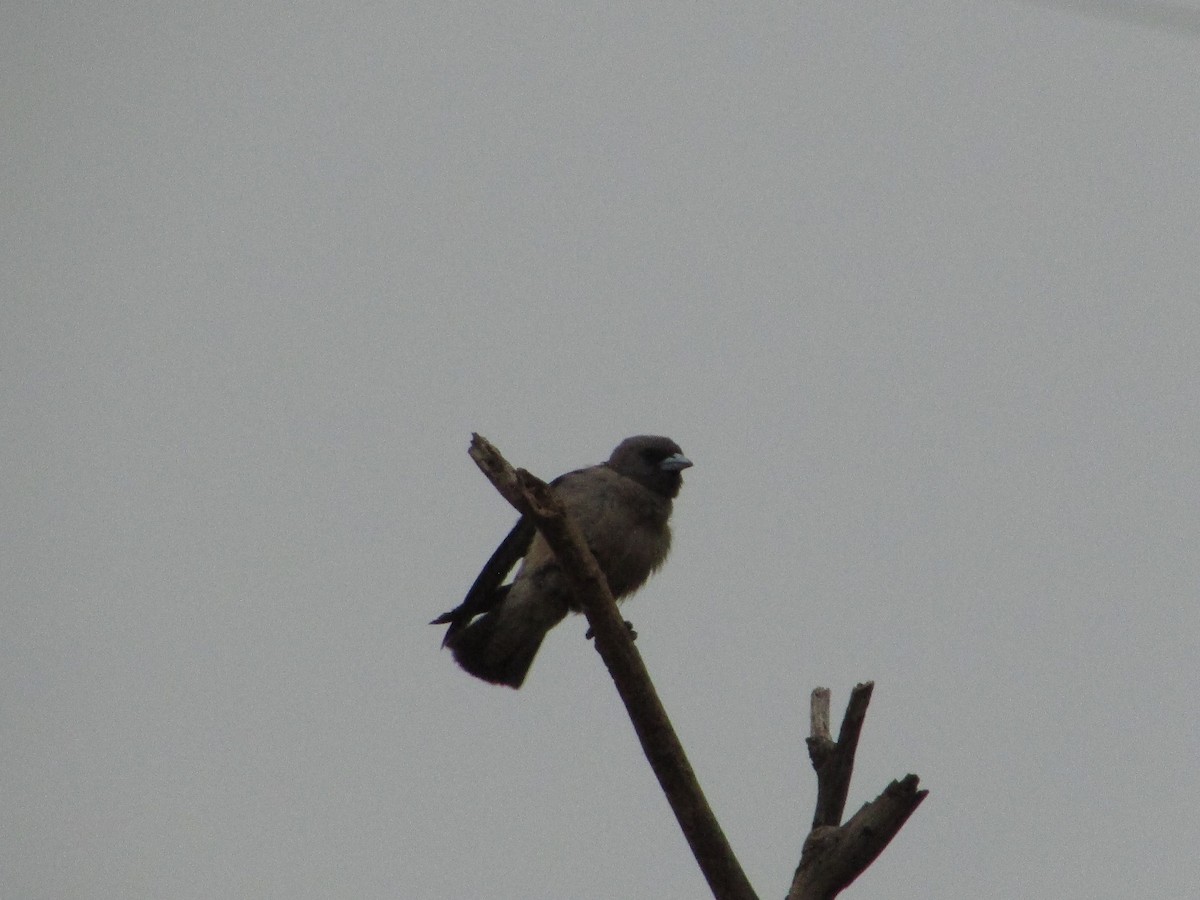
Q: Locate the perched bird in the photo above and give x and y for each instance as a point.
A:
(621, 506)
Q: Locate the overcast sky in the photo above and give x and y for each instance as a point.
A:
(915, 286)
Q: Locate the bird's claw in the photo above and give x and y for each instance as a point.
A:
(590, 633)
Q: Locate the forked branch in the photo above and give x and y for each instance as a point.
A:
(834, 855)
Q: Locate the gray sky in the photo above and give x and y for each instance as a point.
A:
(914, 285)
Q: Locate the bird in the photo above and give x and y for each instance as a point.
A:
(621, 506)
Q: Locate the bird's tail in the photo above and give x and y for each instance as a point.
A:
(499, 646)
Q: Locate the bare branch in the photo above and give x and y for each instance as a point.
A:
(834, 762)
(819, 715)
(834, 855)
(534, 499)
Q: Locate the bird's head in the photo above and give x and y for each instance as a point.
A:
(654, 462)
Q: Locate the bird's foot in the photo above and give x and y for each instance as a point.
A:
(589, 634)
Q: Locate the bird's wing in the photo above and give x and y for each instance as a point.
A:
(489, 588)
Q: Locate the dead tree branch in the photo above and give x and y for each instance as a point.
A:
(533, 498)
(834, 855)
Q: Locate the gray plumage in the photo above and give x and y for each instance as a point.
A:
(621, 506)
